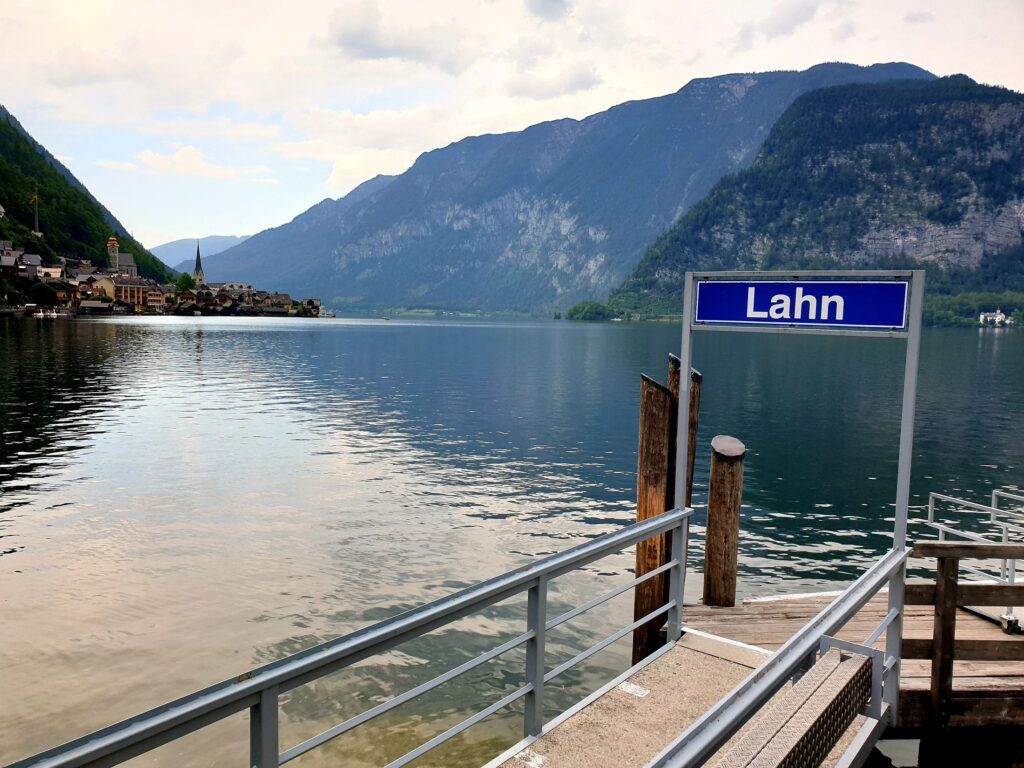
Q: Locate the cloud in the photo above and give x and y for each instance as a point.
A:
(843, 31)
(786, 19)
(360, 31)
(919, 17)
(213, 128)
(189, 161)
(549, 10)
(581, 77)
(118, 165)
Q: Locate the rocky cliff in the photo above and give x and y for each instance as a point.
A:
(535, 219)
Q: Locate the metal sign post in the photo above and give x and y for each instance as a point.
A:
(838, 303)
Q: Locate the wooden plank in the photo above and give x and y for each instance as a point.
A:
(968, 650)
(969, 594)
(652, 499)
(968, 551)
(969, 709)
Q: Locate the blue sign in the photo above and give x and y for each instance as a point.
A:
(813, 303)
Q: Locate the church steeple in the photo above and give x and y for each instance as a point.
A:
(200, 278)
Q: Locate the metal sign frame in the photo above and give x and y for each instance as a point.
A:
(913, 336)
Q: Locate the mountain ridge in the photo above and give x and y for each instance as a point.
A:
(891, 175)
(532, 219)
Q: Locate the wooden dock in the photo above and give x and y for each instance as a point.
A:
(989, 693)
(632, 722)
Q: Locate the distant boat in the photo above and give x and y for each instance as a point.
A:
(386, 317)
(327, 313)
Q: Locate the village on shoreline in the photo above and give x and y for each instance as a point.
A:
(81, 287)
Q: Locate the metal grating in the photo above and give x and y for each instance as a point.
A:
(803, 725)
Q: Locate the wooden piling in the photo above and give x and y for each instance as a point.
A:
(725, 494)
(655, 491)
(653, 496)
(696, 378)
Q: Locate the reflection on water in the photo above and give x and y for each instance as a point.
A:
(181, 499)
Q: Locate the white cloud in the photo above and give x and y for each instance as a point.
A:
(549, 10)
(580, 77)
(189, 161)
(360, 30)
(919, 17)
(214, 128)
(118, 165)
(843, 31)
(348, 89)
(786, 18)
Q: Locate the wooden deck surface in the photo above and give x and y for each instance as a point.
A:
(985, 692)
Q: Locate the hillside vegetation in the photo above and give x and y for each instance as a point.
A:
(892, 175)
(73, 223)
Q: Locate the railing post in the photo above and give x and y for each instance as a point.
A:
(536, 618)
(675, 583)
(894, 642)
(263, 741)
(721, 545)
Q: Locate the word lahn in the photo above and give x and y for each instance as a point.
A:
(785, 308)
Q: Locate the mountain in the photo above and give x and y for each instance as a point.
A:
(182, 253)
(72, 221)
(893, 175)
(534, 219)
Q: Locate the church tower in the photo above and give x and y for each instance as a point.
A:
(200, 278)
(113, 249)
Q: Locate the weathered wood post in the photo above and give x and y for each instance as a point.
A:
(653, 497)
(721, 546)
(655, 490)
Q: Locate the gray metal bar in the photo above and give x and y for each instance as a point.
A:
(674, 622)
(536, 609)
(569, 615)
(890, 617)
(798, 330)
(263, 739)
(894, 637)
(469, 722)
(150, 729)
(607, 641)
(864, 741)
(683, 434)
(695, 745)
(397, 701)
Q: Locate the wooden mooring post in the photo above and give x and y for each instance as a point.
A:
(721, 542)
(655, 489)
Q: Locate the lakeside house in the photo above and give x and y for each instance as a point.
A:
(997, 318)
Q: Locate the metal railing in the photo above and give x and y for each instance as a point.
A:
(714, 728)
(259, 690)
(1007, 522)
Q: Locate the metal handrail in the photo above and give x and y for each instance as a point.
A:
(258, 690)
(1007, 566)
(704, 737)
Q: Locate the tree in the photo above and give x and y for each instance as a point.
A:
(185, 283)
(43, 295)
(589, 311)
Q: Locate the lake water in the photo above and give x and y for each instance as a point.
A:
(182, 499)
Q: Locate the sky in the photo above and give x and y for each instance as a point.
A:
(194, 118)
